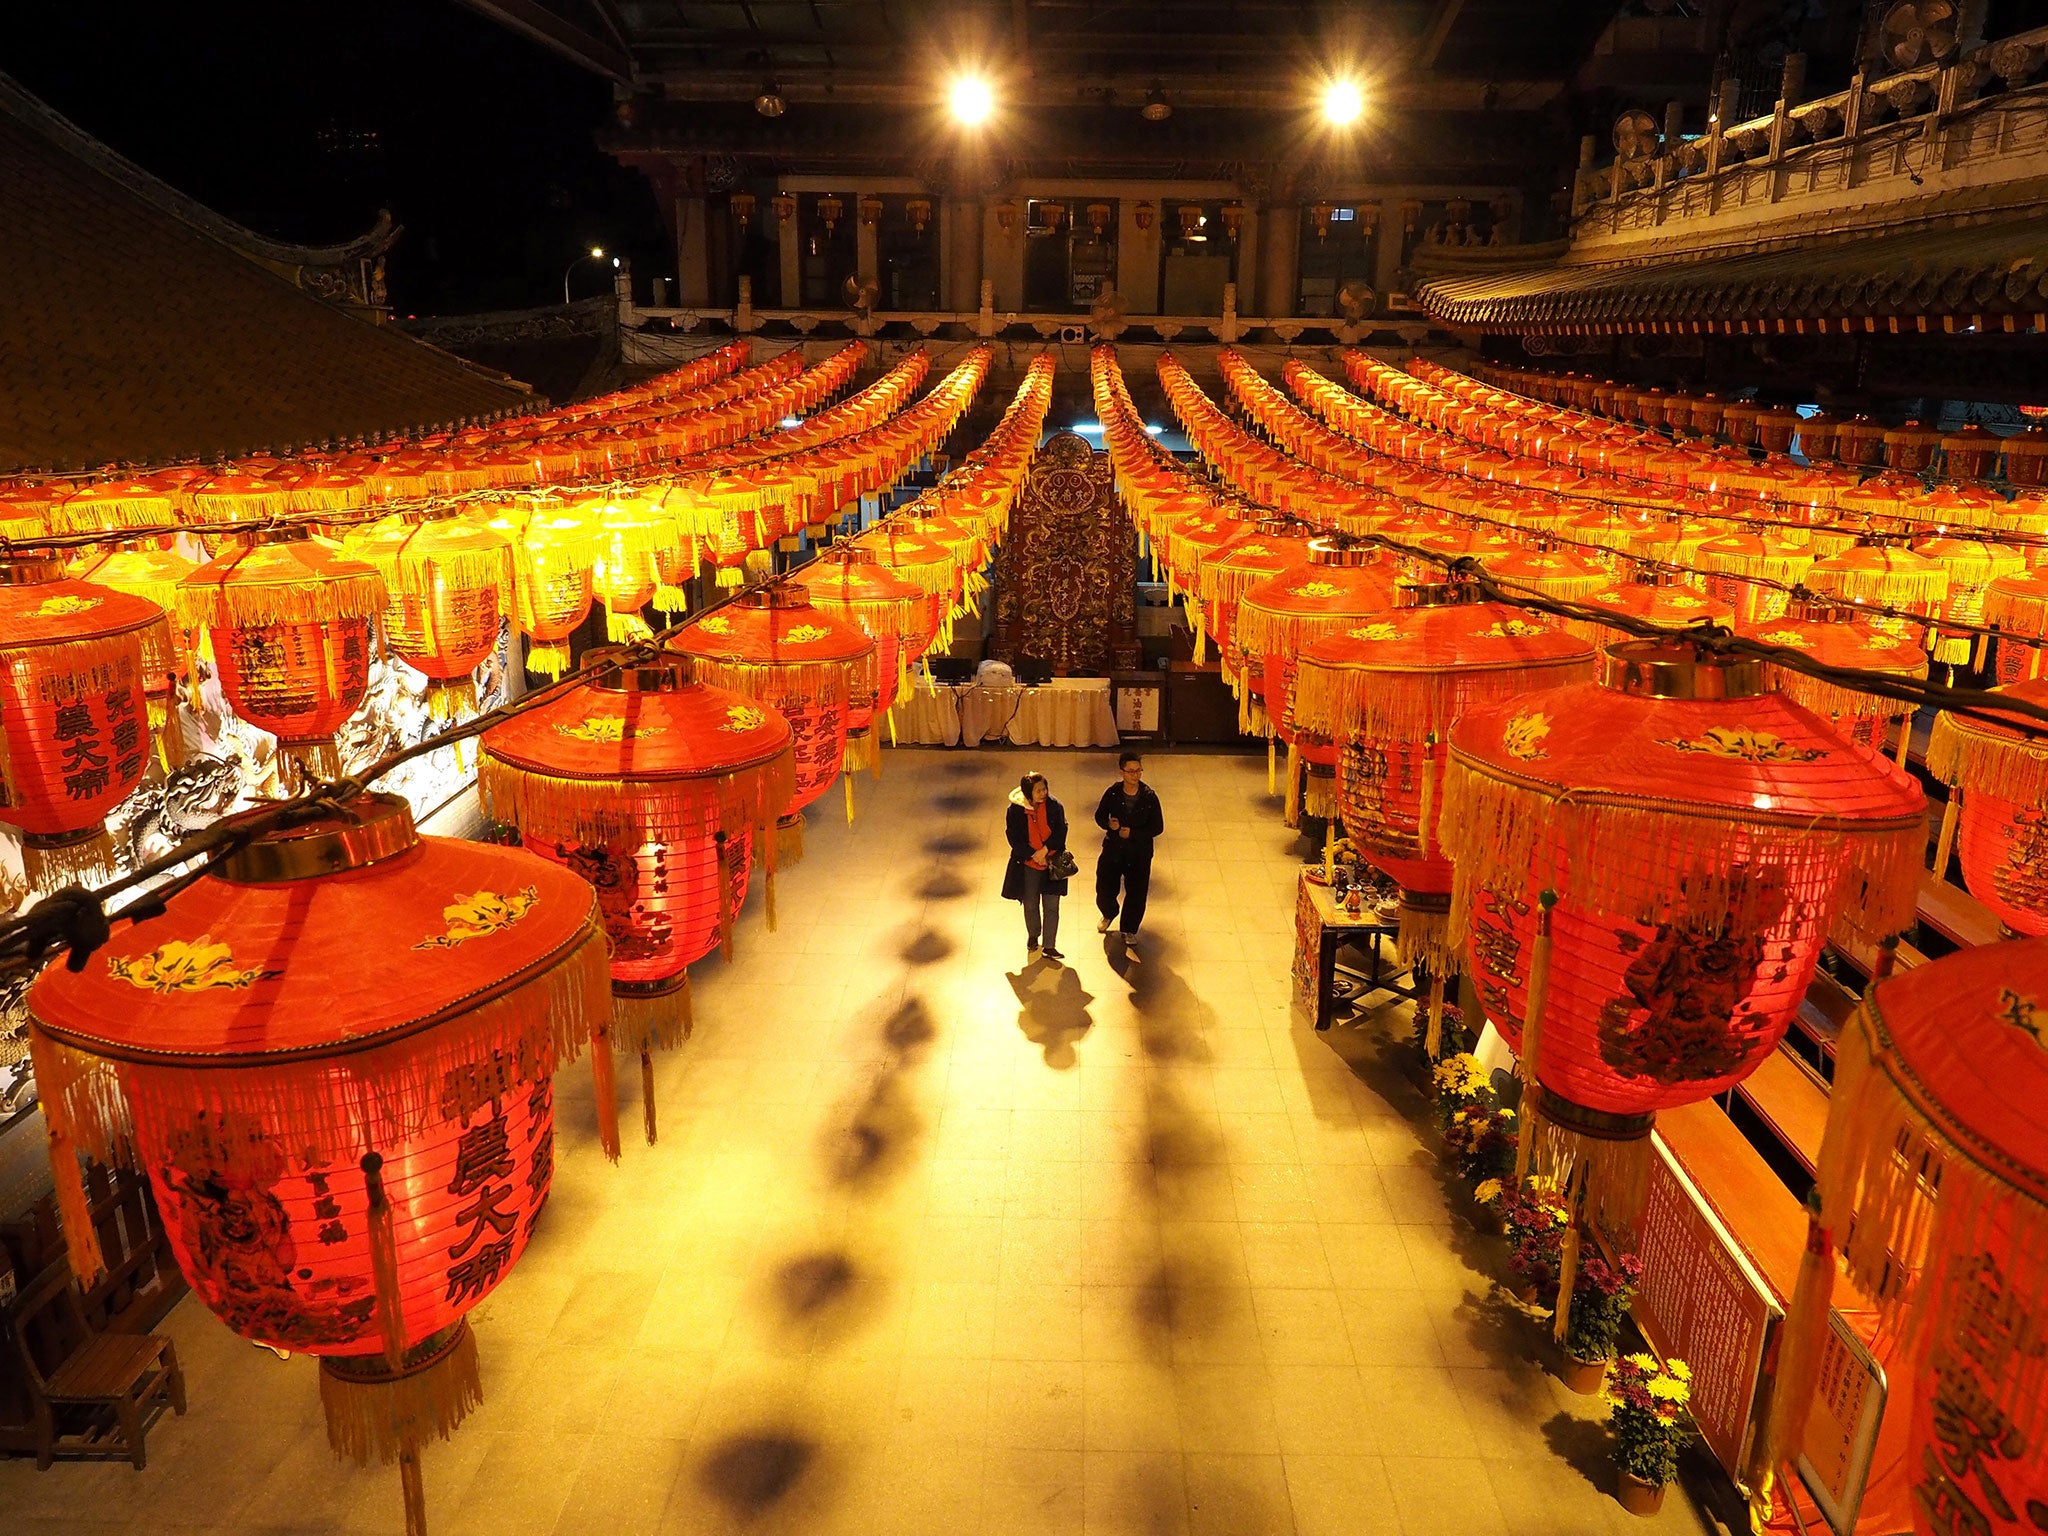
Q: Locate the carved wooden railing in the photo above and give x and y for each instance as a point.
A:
(1887, 136)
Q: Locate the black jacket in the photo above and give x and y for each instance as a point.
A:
(1017, 824)
(1145, 819)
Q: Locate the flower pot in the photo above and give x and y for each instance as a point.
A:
(1639, 1497)
(1585, 1377)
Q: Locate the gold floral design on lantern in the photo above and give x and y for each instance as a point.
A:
(717, 624)
(1791, 637)
(741, 718)
(1316, 589)
(1741, 743)
(182, 966)
(1513, 629)
(805, 634)
(1523, 736)
(2021, 1013)
(1374, 632)
(479, 915)
(64, 605)
(605, 728)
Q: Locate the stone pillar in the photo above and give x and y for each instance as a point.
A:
(1137, 258)
(693, 257)
(1386, 267)
(961, 258)
(791, 262)
(1279, 249)
(1002, 260)
(1249, 297)
(867, 265)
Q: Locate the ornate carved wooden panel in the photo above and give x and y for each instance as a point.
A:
(1065, 571)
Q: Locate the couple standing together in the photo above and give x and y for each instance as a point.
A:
(1040, 864)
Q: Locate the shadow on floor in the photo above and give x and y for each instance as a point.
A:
(751, 1473)
(1054, 1014)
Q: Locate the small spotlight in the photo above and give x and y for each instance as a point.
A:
(1157, 108)
(597, 250)
(770, 103)
(971, 100)
(1343, 103)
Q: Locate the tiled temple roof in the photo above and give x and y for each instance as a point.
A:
(1944, 277)
(130, 334)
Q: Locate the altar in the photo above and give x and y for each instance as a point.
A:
(1065, 712)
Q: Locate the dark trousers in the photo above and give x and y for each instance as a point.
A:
(1041, 909)
(1135, 876)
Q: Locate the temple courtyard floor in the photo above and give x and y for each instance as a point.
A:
(936, 1242)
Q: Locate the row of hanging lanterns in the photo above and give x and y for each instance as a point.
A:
(1642, 951)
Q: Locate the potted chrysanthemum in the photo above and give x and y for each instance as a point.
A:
(1601, 1293)
(1534, 1215)
(1648, 1400)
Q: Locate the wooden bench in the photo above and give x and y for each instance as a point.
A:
(104, 1391)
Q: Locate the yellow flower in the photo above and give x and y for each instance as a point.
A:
(181, 966)
(1487, 1191)
(480, 914)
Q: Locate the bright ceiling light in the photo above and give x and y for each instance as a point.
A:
(971, 100)
(597, 250)
(1343, 103)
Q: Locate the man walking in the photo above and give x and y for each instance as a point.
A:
(1130, 819)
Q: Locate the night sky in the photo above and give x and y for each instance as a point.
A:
(301, 119)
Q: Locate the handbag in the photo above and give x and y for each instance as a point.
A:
(1060, 864)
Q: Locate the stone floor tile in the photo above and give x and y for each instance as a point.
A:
(933, 1244)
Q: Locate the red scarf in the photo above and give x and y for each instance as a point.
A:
(1041, 824)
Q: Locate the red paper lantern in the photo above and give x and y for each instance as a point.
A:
(1225, 574)
(1646, 868)
(1387, 692)
(1337, 585)
(814, 671)
(140, 569)
(552, 559)
(1836, 638)
(288, 619)
(1999, 810)
(655, 788)
(447, 582)
(74, 736)
(1656, 600)
(848, 582)
(1933, 1185)
(927, 566)
(2018, 606)
(331, 1057)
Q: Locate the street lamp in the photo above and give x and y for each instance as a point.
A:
(595, 253)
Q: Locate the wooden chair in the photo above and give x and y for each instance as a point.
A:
(106, 1390)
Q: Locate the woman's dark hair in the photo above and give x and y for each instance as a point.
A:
(1028, 781)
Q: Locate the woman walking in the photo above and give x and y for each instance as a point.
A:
(1039, 863)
